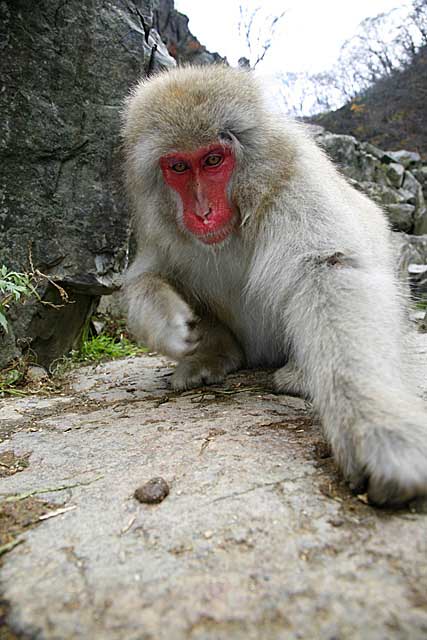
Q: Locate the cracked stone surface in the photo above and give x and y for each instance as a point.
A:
(258, 538)
(66, 67)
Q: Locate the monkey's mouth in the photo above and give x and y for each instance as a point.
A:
(218, 235)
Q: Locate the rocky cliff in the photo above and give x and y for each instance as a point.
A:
(397, 181)
(65, 68)
(180, 42)
(392, 112)
(394, 179)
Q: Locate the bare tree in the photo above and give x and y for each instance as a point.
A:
(413, 32)
(382, 44)
(257, 29)
(419, 18)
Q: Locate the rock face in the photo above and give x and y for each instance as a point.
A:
(395, 180)
(181, 44)
(65, 68)
(412, 252)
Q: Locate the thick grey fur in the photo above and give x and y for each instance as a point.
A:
(306, 283)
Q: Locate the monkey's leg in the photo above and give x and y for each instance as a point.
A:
(289, 380)
(159, 317)
(344, 321)
(216, 355)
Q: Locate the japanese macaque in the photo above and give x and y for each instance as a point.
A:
(254, 251)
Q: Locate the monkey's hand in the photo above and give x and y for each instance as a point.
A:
(289, 380)
(177, 333)
(160, 318)
(388, 461)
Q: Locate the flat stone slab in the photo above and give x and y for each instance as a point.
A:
(258, 539)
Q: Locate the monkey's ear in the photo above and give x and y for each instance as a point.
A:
(225, 136)
(229, 137)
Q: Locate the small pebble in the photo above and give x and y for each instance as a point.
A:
(153, 491)
(36, 373)
(336, 522)
(418, 505)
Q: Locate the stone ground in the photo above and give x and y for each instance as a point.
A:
(259, 539)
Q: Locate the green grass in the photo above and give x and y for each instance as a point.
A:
(13, 376)
(14, 287)
(421, 304)
(111, 343)
(106, 347)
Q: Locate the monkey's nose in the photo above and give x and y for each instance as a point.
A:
(202, 208)
(204, 214)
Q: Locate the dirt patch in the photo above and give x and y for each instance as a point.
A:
(16, 517)
(6, 633)
(10, 463)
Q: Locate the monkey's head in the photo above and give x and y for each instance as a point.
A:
(192, 135)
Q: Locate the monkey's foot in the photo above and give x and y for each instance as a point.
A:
(390, 464)
(199, 370)
(289, 380)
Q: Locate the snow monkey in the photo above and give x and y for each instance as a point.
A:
(252, 250)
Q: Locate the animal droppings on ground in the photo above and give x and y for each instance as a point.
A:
(153, 491)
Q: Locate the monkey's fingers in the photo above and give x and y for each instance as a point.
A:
(390, 463)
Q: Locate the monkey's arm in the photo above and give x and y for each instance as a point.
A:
(344, 323)
(157, 314)
(159, 317)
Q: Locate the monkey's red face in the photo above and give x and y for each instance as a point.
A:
(201, 179)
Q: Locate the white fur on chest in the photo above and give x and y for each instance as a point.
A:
(221, 282)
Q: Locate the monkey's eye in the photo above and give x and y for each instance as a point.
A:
(213, 160)
(179, 167)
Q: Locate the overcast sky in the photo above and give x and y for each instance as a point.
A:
(307, 39)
